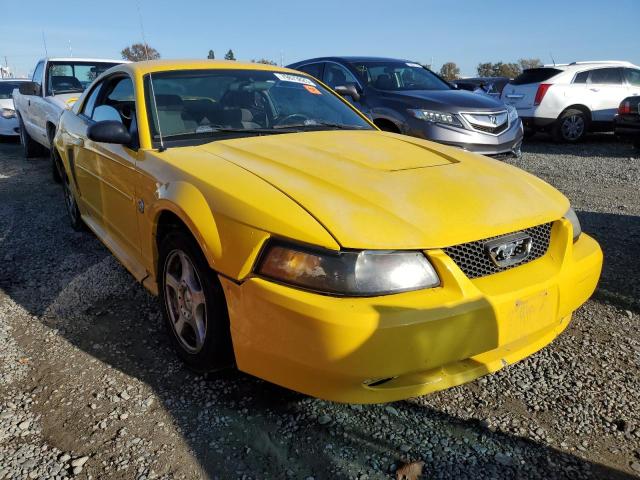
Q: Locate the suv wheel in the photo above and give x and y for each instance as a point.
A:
(193, 304)
(571, 126)
(30, 147)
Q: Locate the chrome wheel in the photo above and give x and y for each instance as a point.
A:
(185, 301)
(573, 127)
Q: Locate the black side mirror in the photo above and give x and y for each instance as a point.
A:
(348, 91)
(109, 131)
(29, 88)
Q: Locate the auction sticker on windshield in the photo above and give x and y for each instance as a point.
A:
(285, 77)
(313, 90)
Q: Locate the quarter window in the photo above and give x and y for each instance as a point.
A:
(581, 77)
(633, 76)
(606, 76)
(313, 69)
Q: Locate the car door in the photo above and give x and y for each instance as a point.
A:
(606, 90)
(106, 173)
(33, 118)
(313, 69)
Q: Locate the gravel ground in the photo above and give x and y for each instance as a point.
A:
(89, 387)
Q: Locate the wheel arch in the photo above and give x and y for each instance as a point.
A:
(181, 205)
(578, 106)
(51, 131)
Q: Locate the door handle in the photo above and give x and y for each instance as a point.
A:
(594, 89)
(28, 103)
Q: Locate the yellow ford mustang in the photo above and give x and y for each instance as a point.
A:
(286, 235)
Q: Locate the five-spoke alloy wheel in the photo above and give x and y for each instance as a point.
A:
(194, 304)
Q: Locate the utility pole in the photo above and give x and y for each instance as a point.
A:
(70, 50)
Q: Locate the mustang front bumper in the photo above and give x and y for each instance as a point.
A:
(380, 349)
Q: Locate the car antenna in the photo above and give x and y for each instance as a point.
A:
(552, 59)
(155, 111)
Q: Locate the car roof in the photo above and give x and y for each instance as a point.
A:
(151, 66)
(78, 59)
(589, 64)
(350, 59)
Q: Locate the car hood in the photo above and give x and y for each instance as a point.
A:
(449, 100)
(6, 103)
(379, 190)
(65, 100)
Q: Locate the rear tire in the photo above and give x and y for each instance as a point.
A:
(193, 305)
(571, 126)
(30, 147)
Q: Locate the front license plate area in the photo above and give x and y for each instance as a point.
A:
(531, 313)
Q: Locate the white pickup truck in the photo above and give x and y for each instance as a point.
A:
(55, 86)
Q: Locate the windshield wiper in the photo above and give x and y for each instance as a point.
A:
(317, 125)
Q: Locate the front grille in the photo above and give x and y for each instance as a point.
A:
(472, 259)
(494, 130)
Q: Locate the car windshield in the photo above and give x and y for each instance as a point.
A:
(6, 89)
(70, 77)
(195, 104)
(396, 75)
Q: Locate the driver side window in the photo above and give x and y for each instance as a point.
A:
(335, 75)
(114, 100)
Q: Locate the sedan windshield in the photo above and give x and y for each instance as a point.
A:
(71, 77)
(396, 75)
(193, 104)
(6, 89)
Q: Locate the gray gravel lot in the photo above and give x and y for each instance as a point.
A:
(89, 387)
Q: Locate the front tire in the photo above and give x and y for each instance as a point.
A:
(571, 126)
(193, 305)
(73, 212)
(30, 147)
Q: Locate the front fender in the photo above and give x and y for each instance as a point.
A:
(187, 203)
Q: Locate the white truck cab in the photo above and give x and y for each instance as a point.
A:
(55, 86)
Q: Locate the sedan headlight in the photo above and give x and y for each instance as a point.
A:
(436, 117)
(575, 223)
(8, 113)
(513, 114)
(361, 273)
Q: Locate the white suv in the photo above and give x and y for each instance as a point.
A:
(571, 99)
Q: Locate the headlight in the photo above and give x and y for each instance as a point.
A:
(436, 117)
(363, 273)
(575, 223)
(513, 114)
(8, 113)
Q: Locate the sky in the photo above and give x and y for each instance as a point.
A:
(426, 31)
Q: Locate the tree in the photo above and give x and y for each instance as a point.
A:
(449, 71)
(499, 69)
(265, 61)
(211, 55)
(485, 69)
(529, 63)
(229, 55)
(140, 51)
(509, 70)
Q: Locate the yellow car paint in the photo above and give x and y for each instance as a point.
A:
(335, 190)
